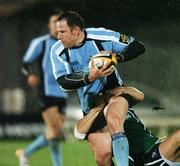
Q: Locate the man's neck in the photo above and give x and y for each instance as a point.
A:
(80, 38)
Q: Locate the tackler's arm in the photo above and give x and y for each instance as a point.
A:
(135, 93)
(83, 125)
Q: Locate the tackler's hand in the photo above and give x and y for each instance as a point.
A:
(118, 91)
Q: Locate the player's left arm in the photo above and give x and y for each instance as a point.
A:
(127, 48)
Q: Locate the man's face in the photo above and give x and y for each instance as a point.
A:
(52, 25)
(67, 35)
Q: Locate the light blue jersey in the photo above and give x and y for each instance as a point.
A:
(40, 49)
(76, 59)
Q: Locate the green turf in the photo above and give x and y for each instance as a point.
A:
(74, 154)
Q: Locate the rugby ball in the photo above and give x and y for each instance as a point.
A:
(104, 57)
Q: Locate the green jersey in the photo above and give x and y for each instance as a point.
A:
(140, 139)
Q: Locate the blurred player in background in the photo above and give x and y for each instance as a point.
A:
(70, 59)
(144, 147)
(52, 99)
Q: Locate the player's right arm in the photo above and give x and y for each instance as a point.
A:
(77, 80)
(66, 77)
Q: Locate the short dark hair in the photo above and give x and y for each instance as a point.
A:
(72, 18)
(54, 12)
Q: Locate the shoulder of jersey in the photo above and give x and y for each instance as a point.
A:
(102, 34)
(57, 48)
(41, 38)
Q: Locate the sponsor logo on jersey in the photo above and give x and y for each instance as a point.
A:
(124, 39)
(154, 154)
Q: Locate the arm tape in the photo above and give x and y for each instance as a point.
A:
(133, 50)
(26, 69)
(73, 80)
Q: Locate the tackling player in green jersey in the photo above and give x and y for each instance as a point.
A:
(144, 147)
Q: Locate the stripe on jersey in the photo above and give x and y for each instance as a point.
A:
(33, 46)
(154, 162)
(66, 64)
(103, 31)
(99, 29)
(104, 37)
(59, 49)
(130, 158)
(95, 45)
(162, 164)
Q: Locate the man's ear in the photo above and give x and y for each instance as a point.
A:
(76, 30)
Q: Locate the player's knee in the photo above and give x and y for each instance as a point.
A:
(176, 137)
(114, 121)
(119, 99)
(103, 158)
(56, 131)
(53, 135)
(118, 107)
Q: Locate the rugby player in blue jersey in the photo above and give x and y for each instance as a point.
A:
(71, 67)
(52, 98)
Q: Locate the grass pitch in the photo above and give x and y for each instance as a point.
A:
(74, 154)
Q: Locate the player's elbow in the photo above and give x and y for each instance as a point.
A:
(141, 96)
(64, 86)
(141, 47)
(79, 136)
(137, 47)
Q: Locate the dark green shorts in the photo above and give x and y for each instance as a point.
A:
(153, 157)
(47, 102)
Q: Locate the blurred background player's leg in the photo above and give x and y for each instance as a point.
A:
(52, 97)
(54, 124)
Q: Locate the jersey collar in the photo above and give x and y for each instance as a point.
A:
(82, 43)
